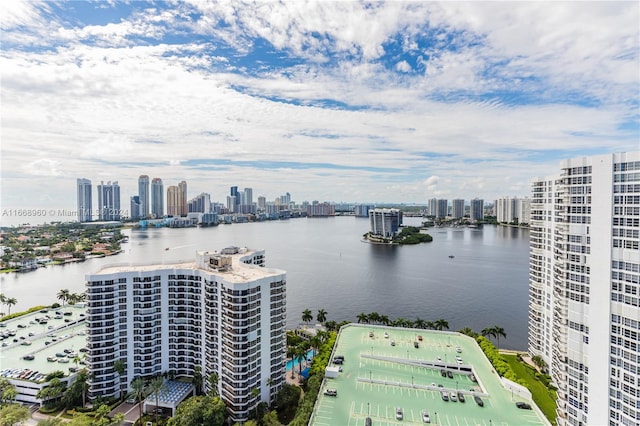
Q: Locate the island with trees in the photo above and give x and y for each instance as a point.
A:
(408, 235)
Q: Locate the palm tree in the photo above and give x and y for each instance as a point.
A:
(374, 317)
(63, 295)
(301, 355)
(322, 316)
(213, 383)
(10, 301)
(488, 331)
(429, 325)
(255, 392)
(307, 316)
(291, 353)
(196, 379)
(419, 323)
(363, 318)
(383, 319)
(157, 386)
(119, 367)
(497, 332)
(441, 324)
(270, 383)
(468, 331)
(539, 362)
(139, 388)
(315, 342)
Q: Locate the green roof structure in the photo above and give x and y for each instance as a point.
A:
(387, 369)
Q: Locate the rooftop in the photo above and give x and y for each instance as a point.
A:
(384, 370)
(238, 272)
(54, 342)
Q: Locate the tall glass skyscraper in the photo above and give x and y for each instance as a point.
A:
(109, 201)
(157, 198)
(84, 200)
(143, 195)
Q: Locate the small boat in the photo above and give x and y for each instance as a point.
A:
(166, 248)
(451, 256)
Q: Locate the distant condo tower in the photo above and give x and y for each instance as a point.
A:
(223, 313)
(143, 195)
(157, 198)
(584, 287)
(476, 211)
(84, 200)
(109, 201)
(457, 208)
(385, 222)
(183, 206)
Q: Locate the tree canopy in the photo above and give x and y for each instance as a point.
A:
(200, 410)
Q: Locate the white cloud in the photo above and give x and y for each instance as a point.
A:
(94, 99)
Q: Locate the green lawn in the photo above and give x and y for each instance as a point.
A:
(542, 396)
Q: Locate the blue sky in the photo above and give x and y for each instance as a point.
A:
(337, 101)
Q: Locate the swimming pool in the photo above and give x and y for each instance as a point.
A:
(294, 363)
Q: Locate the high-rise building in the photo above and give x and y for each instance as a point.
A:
(524, 210)
(457, 208)
(109, 201)
(200, 204)
(247, 201)
(476, 211)
(442, 208)
(385, 222)
(262, 202)
(584, 280)
(172, 201)
(506, 209)
(135, 211)
(85, 213)
(222, 313)
(432, 207)
(143, 195)
(231, 203)
(183, 206)
(317, 209)
(157, 198)
(362, 210)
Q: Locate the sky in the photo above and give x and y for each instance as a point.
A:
(344, 101)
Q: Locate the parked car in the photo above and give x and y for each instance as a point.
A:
(393, 343)
(331, 392)
(478, 400)
(399, 415)
(425, 416)
(416, 345)
(452, 396)
(461, 397)
(523, 406)
(368, 422)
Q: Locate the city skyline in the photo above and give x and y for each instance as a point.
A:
(338, 101)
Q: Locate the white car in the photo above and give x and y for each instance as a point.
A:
(425, 416)
(399, 415)
(386, 335)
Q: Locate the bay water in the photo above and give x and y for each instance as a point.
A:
(471, 277)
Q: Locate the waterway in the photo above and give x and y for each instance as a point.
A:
(329, 267)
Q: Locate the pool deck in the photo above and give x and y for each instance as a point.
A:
(377, 378)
